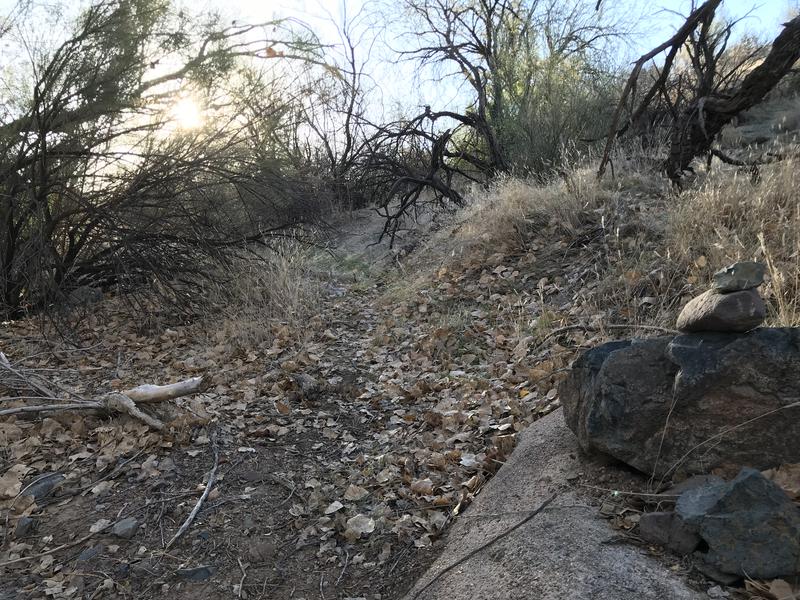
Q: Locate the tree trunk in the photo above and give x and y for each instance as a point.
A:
(699, 124)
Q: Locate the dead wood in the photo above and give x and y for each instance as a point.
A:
(715, 102)
(116, 402)
(703, 119)
(212, 478)
(673, 44)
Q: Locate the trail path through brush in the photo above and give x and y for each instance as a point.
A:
(348, 443)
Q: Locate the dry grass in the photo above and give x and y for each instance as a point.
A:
(505, 219)
(729, 219)
(660, 248)
(511, 213)
(679, 241)
(262, 294)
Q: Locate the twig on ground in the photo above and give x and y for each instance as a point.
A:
(112, 473)
(54, 550)
(482, 547)
(344, 568)
(212, 476)
(244, 576)
(611, 326)
(123, 402)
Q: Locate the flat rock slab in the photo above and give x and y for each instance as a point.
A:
(560, 553)
(739, 276)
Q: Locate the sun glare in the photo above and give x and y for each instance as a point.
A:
(186, 114)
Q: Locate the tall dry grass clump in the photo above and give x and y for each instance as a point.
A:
(729, 219)
(261, 293)
(513, 210)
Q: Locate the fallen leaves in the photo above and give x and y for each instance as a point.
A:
(381, 421)
(11, 481)
(788, 477)
(355, 493)
(357, 526)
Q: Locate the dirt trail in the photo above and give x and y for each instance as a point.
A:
(347, 446)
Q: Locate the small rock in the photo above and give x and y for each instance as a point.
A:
(197, 573)
(123, 570)
(717, 592)
(306, 383)
(739, 276)
(667, 529)
(654, 527)
(24, 528)
(89, 553)
(693, 482)
(750, 525)
(43, 485)
(126, 528)
(711, 311)
(260, 551)
(143, 568)
(248, 522)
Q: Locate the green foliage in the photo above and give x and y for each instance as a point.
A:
(549, 90)
(562, 102)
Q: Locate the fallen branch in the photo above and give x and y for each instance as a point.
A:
(160, 393)
(50, 407)
(244, 576)
(120, 402)
(674, 44)
(212, 477)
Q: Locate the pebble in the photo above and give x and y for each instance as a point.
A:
(126, 528)
(24, 528)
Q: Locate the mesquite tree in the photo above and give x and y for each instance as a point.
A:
(96, 183)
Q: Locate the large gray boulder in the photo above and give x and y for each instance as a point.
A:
(690, 403)
(566, 551)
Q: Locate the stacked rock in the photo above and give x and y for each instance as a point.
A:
(732, 304)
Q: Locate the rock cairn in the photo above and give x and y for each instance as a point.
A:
(733, 303)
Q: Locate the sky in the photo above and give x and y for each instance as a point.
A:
(660, 18)
(399, 84)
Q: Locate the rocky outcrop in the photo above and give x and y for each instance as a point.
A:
(690, 403)
(750, 526)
